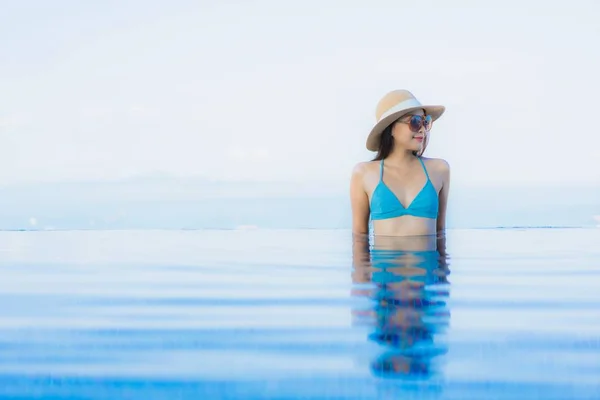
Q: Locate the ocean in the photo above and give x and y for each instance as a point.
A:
(507, 313)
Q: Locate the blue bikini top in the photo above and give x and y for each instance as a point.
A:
(385, 204)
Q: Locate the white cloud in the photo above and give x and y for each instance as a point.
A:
(138, 111)
(94, 112)
(286, 94)
(12, 121)
(248, 154)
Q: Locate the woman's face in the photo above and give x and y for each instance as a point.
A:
(404, 137)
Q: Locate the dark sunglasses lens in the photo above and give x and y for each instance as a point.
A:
(415, 123)
(427, 122)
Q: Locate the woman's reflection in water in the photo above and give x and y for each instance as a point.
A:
(405, 279)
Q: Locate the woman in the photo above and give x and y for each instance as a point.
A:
(405, 196)
(403, 193)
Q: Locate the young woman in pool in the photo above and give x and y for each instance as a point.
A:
(400, 191)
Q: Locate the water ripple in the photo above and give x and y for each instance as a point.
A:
(300, 314)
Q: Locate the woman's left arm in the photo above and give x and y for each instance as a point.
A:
(444, 169)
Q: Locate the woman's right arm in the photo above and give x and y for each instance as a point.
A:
(359, 201)
(360, 226)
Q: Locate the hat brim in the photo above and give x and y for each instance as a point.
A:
(374, 137)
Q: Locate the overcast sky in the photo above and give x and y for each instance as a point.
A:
(269, 90)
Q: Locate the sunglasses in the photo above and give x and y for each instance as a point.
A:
(416, 122)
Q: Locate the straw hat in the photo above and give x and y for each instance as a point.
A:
(391, 107)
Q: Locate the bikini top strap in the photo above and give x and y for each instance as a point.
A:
(381, 170)
(424, 169)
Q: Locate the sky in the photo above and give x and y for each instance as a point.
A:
(274, 91)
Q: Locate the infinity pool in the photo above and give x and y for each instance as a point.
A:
(289, 314)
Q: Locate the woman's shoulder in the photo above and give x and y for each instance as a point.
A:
(365, 167)
(436, 164)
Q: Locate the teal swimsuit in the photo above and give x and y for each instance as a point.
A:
(385, 204)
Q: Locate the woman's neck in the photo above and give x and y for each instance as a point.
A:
(401, 157)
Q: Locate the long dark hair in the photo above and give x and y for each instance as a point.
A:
(386, 144)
